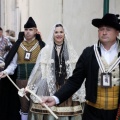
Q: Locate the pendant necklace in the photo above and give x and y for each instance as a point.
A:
(60, 64)
(58, 48)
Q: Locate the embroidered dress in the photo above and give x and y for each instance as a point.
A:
(3, 44)
(49, 74)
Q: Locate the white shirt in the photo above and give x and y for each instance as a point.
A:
(12, 66)
(110, 54)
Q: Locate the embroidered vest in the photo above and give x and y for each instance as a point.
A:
(28, 46)
(25, 66)
(107, 98)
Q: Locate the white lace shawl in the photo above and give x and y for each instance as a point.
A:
(42, 79)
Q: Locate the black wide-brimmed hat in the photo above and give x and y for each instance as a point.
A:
(108, 20)
(30, 23)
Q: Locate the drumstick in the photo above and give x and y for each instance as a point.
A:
(41, 101)
(15, 85)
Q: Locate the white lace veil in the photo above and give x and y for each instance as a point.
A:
(67, 44)
(42, 79)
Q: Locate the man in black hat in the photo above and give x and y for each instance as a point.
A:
(22, 56)
(99, 65)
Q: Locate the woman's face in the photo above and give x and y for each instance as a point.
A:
(59, 35)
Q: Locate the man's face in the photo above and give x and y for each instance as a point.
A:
(107, 34)
(1, 33)
(30, 33)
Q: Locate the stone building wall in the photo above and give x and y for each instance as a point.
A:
(76, 15)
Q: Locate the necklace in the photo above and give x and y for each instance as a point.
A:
(59, 49)
(60, 63)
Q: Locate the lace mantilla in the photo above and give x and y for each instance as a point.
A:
(42, 79)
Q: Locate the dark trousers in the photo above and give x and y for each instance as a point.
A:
(25, 104)
(91, 113)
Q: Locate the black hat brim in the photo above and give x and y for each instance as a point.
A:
(99, 22)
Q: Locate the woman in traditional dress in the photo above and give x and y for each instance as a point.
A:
(54, 65)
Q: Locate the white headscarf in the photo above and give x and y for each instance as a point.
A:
(42, 79)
